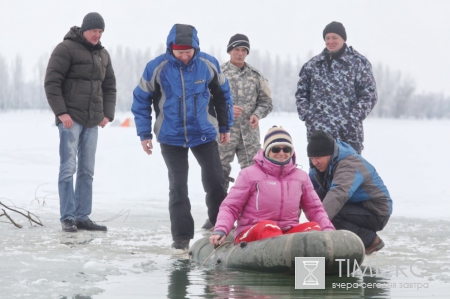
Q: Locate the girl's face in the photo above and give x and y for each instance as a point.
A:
(280, 153)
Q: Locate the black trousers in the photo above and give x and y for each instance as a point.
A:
(362, 222)
(176, 159)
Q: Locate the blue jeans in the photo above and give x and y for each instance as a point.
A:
(76, 145)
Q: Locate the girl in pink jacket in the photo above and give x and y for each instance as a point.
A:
(268, 196)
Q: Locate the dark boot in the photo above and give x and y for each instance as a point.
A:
(227, 182)
(208, 225)
(68, 225)
(90, 225)
(180, 244)
(376, 245)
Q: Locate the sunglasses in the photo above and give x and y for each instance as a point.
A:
(276, 149)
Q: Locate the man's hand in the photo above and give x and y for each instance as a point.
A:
(254, 121)
(224, 138)
(147, 146)
(66, 120)
(237, 110)
(216, 239)
(104, 122)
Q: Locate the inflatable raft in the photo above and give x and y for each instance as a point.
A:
(277, 255)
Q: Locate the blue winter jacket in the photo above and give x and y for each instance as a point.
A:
(191, 102)
(350, 177)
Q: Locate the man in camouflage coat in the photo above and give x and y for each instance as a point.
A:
(252, 102)
(336, 90)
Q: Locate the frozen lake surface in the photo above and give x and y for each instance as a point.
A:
(134, 259)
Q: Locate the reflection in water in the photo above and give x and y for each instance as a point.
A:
(383, 292)
(242, 284)
(76, 297)
(73, 240)
(178, 279)
(187, 280)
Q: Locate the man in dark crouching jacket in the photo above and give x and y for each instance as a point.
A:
(353, 194)
(81, 90)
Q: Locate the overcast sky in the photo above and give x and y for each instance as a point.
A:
(411, 36)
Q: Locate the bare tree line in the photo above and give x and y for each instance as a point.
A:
(397, 96)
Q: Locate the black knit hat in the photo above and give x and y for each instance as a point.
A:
(238, 40)
(276, 136)
(320, 144)
(335, 27)
(92, 20)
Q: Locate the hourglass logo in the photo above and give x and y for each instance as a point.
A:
(310, 273)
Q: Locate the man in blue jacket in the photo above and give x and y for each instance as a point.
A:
(353, 194)
(192, 102)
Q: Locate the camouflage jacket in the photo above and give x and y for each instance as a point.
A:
(338, 98)
(251, 91)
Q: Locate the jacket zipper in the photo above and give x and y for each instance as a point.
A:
(195, 104)
(282, 191)
(180, 102)
(92, 84)
(184, 107)
(257, 196)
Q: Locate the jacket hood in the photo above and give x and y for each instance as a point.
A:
(274, 169)
(344, 150)
(181, 34)
(341, 151)
(75, 35)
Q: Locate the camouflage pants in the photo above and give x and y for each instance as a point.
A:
(244, 147)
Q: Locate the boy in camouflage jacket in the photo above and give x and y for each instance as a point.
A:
(252, 102)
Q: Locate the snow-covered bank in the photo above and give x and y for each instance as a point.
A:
(410, 155)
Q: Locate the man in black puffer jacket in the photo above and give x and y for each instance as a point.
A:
(81, 90)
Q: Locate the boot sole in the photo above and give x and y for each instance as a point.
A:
(93, 229)
(376, 248)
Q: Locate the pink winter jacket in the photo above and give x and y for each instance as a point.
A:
(266, 191)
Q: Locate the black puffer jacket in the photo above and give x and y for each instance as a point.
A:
(80, 80)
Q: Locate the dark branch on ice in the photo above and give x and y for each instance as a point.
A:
(30, 216)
